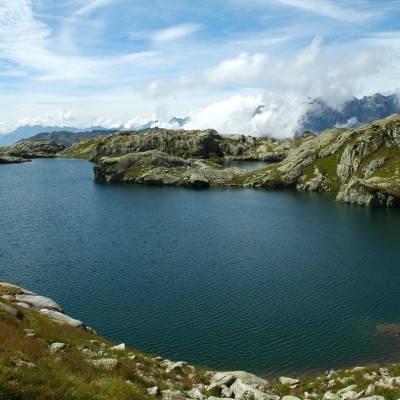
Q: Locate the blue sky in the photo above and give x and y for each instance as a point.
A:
(123, 62)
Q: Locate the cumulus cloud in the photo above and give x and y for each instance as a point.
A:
(350, 123)
(138, 122)
(313, 72)
(63, 117)
(242, 69)
(229, 116)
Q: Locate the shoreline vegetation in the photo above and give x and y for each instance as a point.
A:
(45, 354)
(359, 166)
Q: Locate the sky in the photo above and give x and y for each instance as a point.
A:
(124, 62)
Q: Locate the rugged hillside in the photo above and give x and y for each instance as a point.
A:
(360, 166)
(27, 131)
(181, 143)
(47, 355)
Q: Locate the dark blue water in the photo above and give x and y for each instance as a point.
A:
(271, 282)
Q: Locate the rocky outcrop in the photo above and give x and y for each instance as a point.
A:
(7, 159)
(156, 168)
(29, 150)
(361, 166)
(26, 299)
(181, 143)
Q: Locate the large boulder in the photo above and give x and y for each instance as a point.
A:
(250, 379)
(39, 302)
(62, 318)
(242, 391)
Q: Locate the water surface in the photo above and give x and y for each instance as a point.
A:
(273, 282)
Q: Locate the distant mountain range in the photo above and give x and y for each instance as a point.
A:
(319, 117)
(48, 133)
(355, 113)
(67, 135)
(68, 138)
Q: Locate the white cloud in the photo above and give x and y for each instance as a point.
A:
(329, 9)
(350, 123)
(137, 122)
(228, 116)
(175, 33)
(26, 42)
(64, 117)
(91, 6)
(242, 69)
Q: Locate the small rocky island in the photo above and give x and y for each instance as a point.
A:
(48, 355)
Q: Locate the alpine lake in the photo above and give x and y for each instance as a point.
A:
(271, 282)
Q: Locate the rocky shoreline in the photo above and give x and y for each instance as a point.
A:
(169, 380)
(359, 166)
(25, 151)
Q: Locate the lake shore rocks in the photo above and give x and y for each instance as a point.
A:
(7, 159)
(166, 379)
(26, 299)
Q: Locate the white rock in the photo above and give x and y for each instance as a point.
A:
(346, 389)
(348, 395)
(221, 379)
(9, 310)
(176, 367)
(105, 363)
(57, 347)
(16, 288)
(245, 392)
(22, 304)
(195, 394)
(120, 347)
(290, 398)
(250, 379)
(172, 395)
(331, 396)
(373, 398)
(384, 372)
(226, 391)
(288, 381)
(38, 301)
(153, 391)
(370, 389)
(62, 318)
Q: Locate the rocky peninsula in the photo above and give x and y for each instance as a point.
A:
(359, 166)
(48, 355)
(24, 151)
